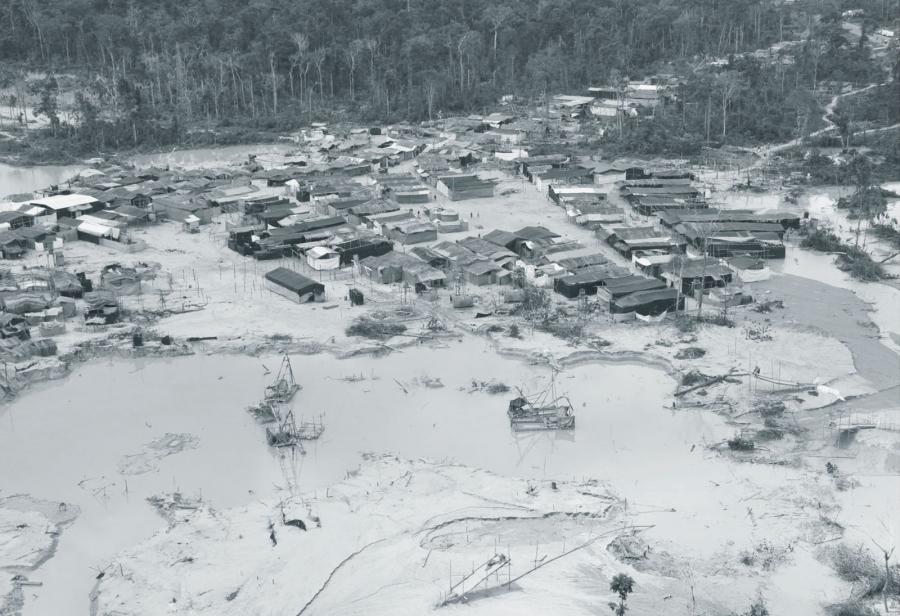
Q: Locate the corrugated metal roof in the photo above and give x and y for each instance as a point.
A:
(62, 202)
(293, 281)
(96, 229)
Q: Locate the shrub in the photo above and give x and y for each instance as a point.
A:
(822, 240)
(887, 233)
(852, 259)
(692, 378)
(370, 328)
(850, 608)
(497, 388)
(858, 566)
(769, 408)
(770, 434)
(740, 443)
(757, 608)
(861, 266)
(690, 353)
(719, 319)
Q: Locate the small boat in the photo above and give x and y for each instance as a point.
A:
(284, 387)
(286, 435)
(525, 415)
(264, 412)
(544, 411)
(280, 438)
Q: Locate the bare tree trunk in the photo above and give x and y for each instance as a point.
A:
(724, 114)
(274, 83)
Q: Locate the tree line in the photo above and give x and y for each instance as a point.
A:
(150, 70)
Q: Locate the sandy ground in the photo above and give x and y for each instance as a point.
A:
(383, 541)
(824, 335)
(393, 537)
(29, 534)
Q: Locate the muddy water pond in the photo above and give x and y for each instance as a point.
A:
(67, 441)
(17, 180)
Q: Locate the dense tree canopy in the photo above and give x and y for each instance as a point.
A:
(156, 66)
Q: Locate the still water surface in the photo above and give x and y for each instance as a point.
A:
(17, 180)
(64, 440)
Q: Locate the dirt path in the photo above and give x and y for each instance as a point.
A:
(826, 117)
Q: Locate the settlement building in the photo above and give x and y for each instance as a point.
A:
(460, 187)
(294, 286)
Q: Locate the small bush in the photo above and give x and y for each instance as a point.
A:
(720, 319)
(764, 307)
(850, 608)
(370, 328)
(822, 240)
(757, 608)
(692, 378)
(858, 566)
(887, 233)
(852, 259)
(514, 331)
(769, 408)
(497, 388)
(535, 300)
(770, 434)
(564, 328)
(690, 353)
(757, 331)
(861, 266)
(740, 443)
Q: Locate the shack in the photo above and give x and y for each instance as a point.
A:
(67, 206)
(294, 286)
(323, 258)
(586, 280)
(692, 274)
(617, 288)
(412, 231)
(362, 247)
(648, 303)
(460, 187)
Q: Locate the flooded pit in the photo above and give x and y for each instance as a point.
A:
(65, 441)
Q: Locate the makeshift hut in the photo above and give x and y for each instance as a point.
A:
(323, 258)
(294, 286)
